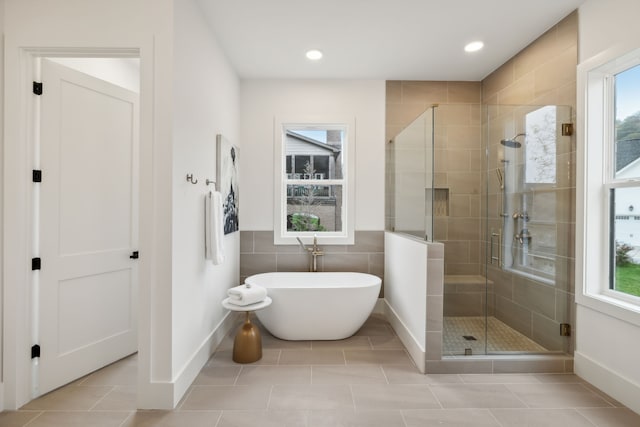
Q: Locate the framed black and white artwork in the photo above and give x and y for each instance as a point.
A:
(227, 179)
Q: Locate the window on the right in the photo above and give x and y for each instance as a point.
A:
(624, 184)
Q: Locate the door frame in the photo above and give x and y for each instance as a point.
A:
(19, 300)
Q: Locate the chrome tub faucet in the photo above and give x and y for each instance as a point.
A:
(315, 252)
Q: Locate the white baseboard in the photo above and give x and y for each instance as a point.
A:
(200, 357)
(612, 383)
(417, 353)
(166, 395)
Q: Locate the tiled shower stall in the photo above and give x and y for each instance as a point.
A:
(470, 121)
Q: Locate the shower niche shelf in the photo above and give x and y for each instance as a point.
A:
(440, 201)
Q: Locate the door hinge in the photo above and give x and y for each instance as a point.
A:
(35, 351)
(37, 88)
(36, 263)
(37, 175)
(565, 330)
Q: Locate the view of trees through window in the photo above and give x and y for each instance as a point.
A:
(625, 224)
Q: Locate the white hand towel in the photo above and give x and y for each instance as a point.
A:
(213, 232)
(245, 294)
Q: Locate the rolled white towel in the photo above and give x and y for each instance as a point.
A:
(246, 294)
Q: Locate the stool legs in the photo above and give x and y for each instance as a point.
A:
(247, 346)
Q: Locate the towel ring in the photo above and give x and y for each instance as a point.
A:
(191, 179)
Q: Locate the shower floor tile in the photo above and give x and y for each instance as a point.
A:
(460, 331)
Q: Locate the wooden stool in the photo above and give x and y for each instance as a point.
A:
(247, 346)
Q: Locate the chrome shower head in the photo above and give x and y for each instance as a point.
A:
(511, 142)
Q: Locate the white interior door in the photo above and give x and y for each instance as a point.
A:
(88, 225)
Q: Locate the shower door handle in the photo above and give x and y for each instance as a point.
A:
(491, 252)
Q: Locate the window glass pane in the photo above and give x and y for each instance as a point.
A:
(540, 146)
(321, 167)
(316, 153)
(288, 166)
(302, 166)
(625, 229)
(627, 126)
(314, 207)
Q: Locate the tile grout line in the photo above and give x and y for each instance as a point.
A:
(496, 418)
(235, 381)
(598, 395)
(219, 419)
(186, 396)
(353, 399)
(35, 418)
(404, 420)
(113, 387)
(269, 399)
(132, 414)
(430, 386)
(384, 374)
(516, 396)
(577, 410)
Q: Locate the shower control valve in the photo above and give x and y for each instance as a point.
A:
(523, 215)
(523, 237)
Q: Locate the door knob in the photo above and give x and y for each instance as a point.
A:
(134, 255)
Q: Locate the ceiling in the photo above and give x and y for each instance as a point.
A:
(377, 39)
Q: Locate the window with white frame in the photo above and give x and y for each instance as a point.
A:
(313, 190)
(608, 230)
(623, 182)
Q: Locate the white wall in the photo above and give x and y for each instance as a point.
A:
(413, 287)
(606, 345)
(206, 103)
(263, 100)
(179, 294)
(405, 284)
(143, 26)
(604, 24)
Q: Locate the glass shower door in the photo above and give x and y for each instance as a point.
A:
(412, 187)
(529, 200)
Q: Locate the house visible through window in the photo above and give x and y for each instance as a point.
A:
(314, 180)
(624, 187)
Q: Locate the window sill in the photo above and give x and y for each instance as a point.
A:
(611, 306)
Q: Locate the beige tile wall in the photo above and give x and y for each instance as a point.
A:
(258, 254)
(458, 162)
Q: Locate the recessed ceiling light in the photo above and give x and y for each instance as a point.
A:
(314, 54)
(474, 46)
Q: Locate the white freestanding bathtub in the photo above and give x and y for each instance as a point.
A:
(316, 306)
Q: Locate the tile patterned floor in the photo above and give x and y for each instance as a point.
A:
(366, 380)
(500, 336)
